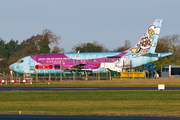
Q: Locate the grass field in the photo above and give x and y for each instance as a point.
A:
(131, 103)
(105, 83)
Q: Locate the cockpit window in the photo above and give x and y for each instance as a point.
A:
(20, 61)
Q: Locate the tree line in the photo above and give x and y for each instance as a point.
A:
(38, 44)
(47, 42)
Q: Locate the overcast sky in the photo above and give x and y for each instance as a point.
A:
(110, 22)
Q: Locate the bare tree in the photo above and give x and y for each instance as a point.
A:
(56, 49)
(127, 44)
(89, 47)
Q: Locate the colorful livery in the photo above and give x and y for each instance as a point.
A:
(142, 52)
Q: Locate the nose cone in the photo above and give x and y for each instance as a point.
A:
(11, 67)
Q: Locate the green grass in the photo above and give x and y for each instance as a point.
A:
(136, 103)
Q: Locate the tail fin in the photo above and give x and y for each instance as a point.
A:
(148, 41)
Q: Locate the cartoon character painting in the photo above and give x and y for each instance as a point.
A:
(147, 41)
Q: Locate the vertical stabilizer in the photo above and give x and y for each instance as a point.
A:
(148, 41)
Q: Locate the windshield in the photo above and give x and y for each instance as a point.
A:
(20, 61)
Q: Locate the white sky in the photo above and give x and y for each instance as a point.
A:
(110, 22)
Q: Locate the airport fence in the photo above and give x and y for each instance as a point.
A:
(16, 78)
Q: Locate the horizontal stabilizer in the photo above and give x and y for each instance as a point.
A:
(159, 55)
(164, 54)
(150, 54)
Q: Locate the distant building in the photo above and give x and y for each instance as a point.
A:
(170, 71)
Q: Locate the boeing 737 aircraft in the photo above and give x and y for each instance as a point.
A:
(142, 52)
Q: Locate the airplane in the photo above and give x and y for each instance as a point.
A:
(141, 53)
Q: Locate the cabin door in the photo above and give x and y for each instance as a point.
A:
(26, 65)
(75, 62)
(32, 64)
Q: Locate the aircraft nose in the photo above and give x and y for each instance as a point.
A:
(11, 67)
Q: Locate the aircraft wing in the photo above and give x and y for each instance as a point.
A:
(78, 67)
